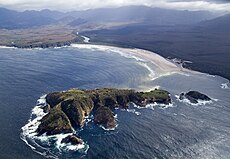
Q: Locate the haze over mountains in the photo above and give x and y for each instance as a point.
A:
(202, 37)
(10, 19)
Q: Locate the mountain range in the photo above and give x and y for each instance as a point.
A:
(199, 36)
(11, 19)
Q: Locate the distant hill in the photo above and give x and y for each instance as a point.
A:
(156, 16)
(206, 44)
(77, 22)
(10, 19)
(220, 24)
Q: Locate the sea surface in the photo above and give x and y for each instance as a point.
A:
(180, 130)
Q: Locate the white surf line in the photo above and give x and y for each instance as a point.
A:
(86, 39)
(200, 102)
(164, 67)
(30, 136)
(7, 47)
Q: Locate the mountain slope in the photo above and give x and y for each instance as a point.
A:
(220, 24)
(10, 19)
(206, 44)
(144, 14)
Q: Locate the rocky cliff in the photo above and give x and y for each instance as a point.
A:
(67, 110)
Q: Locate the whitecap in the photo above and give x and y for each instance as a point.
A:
(67, 147)
(7, 47)
(133, 111)
(108, 129)
(152, 106)
(31, 138)
(88, 119)
(225, 85)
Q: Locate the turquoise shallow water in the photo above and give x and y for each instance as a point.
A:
(179, 131)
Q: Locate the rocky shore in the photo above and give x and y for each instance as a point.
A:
(67, 110)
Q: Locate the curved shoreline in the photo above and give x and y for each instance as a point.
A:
(166, 66)
(138, 54)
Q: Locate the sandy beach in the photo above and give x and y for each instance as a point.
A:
(156, 64)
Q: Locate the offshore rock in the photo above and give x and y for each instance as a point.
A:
(72, 140)
(194, 96)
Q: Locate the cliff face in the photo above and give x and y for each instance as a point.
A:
(69, 109)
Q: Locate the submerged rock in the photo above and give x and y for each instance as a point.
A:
(67, 110)
(194, 96)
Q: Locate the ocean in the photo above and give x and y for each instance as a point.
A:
(180, 130)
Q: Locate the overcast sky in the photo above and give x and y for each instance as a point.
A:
(66, 5)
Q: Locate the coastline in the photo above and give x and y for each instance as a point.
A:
(125, 52)
(165, 66)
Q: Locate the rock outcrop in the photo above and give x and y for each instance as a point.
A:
(105, 117)
(194, 96)
(55, 122)
(73, 140)
(67, 110)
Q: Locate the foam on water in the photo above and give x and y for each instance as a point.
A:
(130, 110)
(200, 102)
(39, 143)
(29, 130)
(67, 147)
(7, 47)
(128, 53)
(88, 119)
(225, 85)
(151, 106)
(110, 129)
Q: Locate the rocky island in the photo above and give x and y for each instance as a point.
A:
(194, 97)
(67, 110)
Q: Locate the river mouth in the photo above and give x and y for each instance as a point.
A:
(180, 130)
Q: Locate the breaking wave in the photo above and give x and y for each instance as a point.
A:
(200, 102)
(48, 146)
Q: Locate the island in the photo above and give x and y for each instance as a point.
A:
(194, 97)
(67, 110)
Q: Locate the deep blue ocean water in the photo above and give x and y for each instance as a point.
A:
(178, 131)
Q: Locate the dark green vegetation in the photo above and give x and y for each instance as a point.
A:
(45, 28)
(206, 44)
(198, 36)
(69, 109)
(194, 96)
